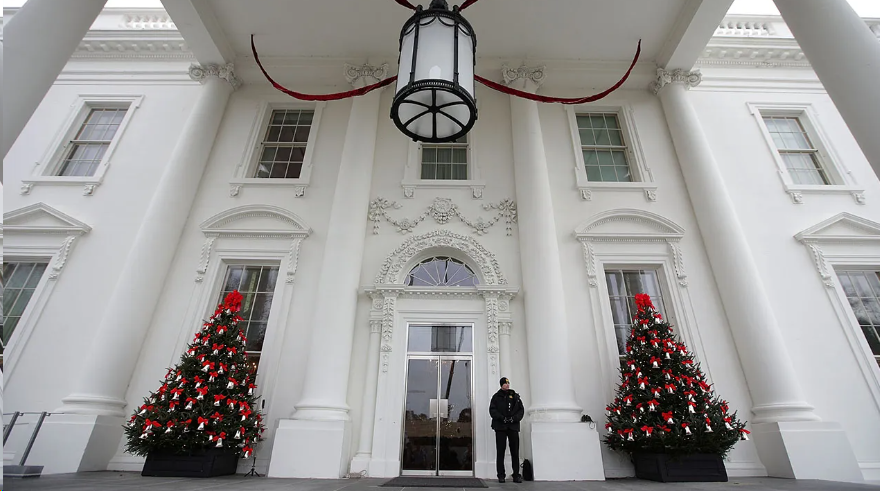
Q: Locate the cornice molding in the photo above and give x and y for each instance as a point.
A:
(361, 75)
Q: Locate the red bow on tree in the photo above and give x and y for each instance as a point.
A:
(233, 301)
(643, 300)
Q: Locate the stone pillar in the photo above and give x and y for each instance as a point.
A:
(504, 331)
(553, 412)
(34, 58)
(361, 461)
(314, 442)
(94, 408)
(780, 410)
(845, 54)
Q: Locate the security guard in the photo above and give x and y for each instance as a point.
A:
(506, 409)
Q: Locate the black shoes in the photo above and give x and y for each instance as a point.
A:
(500, 479)
(517, 479)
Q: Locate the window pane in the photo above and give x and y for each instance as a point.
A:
(302, 134)
(293, 170)
(444, 155)
(608, 174)
(602, 138)
(616, 137)
(441, 271)
(20, 274)
(429, 171)
(593, 174)
(429, 154)
(591, 157)
(444, 171)
(286, 134)
(859, 288)
(459, 172)
(20, 280)
(873, 338)
(459, 155)
(587, 137)
(623, 286)
(440, 339)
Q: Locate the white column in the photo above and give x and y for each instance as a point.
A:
(780, 410)
(314, 442)
(845, 54)
(554, 415)
(101, 386)
(552, 387)
(361, 461)
(38, 41)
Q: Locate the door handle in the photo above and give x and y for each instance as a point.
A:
(439, 407)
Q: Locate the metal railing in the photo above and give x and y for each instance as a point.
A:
(21, 470)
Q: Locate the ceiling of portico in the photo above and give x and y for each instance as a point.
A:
(515, 30)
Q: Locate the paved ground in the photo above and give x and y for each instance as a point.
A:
(130, 481)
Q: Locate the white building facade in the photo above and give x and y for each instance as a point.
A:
(389, 284)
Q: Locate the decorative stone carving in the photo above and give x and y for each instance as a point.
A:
(61, 258)
(859, 197)
(390, 272)
(492, 330)
(666, 77)
(375, 325)
(26, 187)
(442, 210)
(234, 190)
(408, 191)
(89, 189)
(369, 73)
(535, 75)
(388, 306)
(796, 197)
(293, 259)
(299, 191)
(207, 248)
(587, 194)
(821, 263)
(477, 192)
(200, 73)
(651, 195)
(505, 327)
(590, 259)
(678, 262)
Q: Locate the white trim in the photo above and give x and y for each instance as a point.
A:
(245, 168)
(643, 178)
(840, 176)
(859, 248)
(50, 243)
(412, 172)
(649, 241)
(44, 170)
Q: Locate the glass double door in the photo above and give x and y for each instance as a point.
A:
(438, 432)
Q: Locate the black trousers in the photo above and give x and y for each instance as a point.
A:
(501, 439)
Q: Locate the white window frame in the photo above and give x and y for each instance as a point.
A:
(26, 242)
(642, 177)
(412, 174)
(44, 172)
(841, 179)
(662, 282)
(249, 160)
(229, 241)
(830, 249)
(649, 241)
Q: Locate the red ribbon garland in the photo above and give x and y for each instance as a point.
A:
(484, 81)
(319, 97)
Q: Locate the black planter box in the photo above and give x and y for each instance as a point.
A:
(680, 468)
(210, 462)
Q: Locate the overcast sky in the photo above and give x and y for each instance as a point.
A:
(865, 8)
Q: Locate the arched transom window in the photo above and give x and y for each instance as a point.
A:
(442, 271)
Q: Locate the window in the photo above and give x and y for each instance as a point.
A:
(603, 147)
(862, 289)
(257, 285)
(623, 286)
(20, 279)
(800, 156)
(447, 161)
(283, 148)
(442, 271)
(87, 148)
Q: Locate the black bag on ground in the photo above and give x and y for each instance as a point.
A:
(527, 472)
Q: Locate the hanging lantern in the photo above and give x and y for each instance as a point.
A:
(434, 100)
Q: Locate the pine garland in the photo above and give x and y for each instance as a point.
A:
(207, 400)
(663, 403)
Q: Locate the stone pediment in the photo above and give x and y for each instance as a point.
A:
(42, 218)
(256, 220)
(842, 227)
(625, 224)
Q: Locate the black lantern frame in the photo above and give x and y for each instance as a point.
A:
(444, 94)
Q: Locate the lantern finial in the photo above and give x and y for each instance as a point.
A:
(439, 4)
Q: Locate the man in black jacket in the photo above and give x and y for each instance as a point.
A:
(506, 409)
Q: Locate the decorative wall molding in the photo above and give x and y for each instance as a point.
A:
(665, 77)
(535, 75)
(42, 219)
(843, 228)
(442, 210)
(226, 72)
(365, 74)
(253, 222)
(487, 267)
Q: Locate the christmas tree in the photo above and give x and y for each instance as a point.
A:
(663, 404)
(207, 400)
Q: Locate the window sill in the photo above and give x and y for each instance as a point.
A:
(587, 189)
(299, 185)
(476, 187)
(89, 183)
(797, 191)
